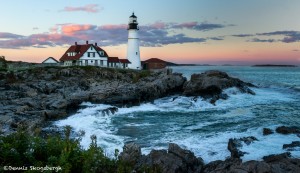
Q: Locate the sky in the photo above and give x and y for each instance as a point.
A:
(243, 32)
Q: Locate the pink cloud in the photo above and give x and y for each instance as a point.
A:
(109, 27)
(159, 25)
(71, 29)
(90, 8)
(187, 25)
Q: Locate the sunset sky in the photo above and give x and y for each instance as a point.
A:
(241, 32)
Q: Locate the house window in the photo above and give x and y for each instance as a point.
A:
(101, 62)
(91, 47)
(94, 54)
(136, 53)
(101, 53)
(86, 62)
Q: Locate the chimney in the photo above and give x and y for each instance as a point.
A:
(96, 44)
(76, 43)
(87, 42)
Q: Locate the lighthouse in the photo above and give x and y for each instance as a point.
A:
(133, 46)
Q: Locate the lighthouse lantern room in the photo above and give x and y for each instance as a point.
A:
(133, 46)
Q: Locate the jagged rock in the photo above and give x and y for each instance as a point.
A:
(221, 166)
(248, 140)
(110, 110)
(272, 164)
(175, 159)
(210, 84)
(234, 145)
(292, 145)
(54, 114)
(131, 153)
(276, 157)
(288, 130)
(267, 131)
(193, 163)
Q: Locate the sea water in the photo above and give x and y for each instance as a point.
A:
(197, 125)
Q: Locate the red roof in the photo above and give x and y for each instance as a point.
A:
(125, 61)
(113, 59)
(80, 50)
(154, 60)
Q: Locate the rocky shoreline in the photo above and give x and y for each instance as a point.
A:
(32, 97)
(176, 159)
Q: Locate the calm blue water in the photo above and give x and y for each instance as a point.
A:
(199, 126)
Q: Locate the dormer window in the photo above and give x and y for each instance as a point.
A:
(101, 53)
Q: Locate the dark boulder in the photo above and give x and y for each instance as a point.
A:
(175, 159)
(131, 153)
(288, 130)
(292, 145)
(276, 157)
(210, 84)
(234, 145)
(110, 111)
(222, 166)
(267, 131)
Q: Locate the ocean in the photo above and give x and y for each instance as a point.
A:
(199, 126)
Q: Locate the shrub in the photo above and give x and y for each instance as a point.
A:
(21, 149)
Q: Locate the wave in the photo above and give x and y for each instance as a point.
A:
(204, 131)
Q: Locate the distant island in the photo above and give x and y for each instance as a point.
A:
(273, 65)
(174, 64)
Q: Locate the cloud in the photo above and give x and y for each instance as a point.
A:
(279, 33)
(295, 50)
(289, 36)
(151, 35)
(216, 38)
(90, 8)
(35, 28)
(199, 26)
(243, 35)
(71, 29)
(7, 35)
(262, 40)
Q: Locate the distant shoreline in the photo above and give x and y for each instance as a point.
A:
(273, 65)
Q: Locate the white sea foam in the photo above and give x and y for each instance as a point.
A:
(214, 147)
(93, 122)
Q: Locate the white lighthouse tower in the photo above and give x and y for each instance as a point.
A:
(133, 46)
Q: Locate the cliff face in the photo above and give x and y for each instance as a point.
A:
(29, 98)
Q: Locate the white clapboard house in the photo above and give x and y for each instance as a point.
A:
(91, 55)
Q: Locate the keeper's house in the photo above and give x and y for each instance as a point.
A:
(91, 55)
